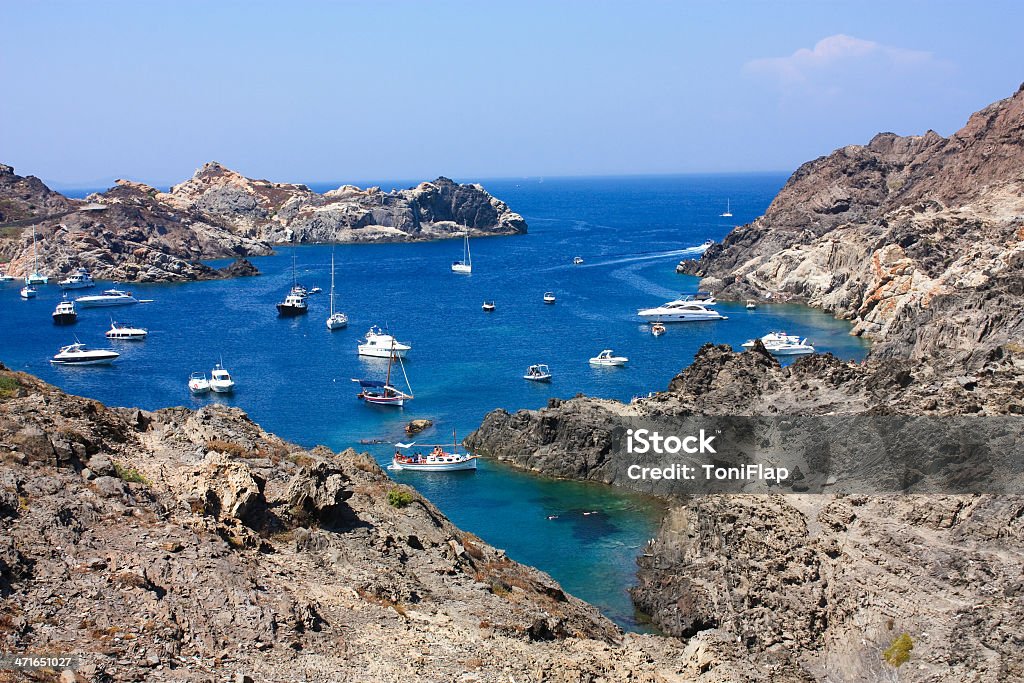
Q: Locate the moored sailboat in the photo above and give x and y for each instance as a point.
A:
(465, 266)
(384, 393)
(337, 319)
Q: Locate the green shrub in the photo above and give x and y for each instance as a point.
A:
(129, 474)
(898, 653)
(399, 498)
(8, 386)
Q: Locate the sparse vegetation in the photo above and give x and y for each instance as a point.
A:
(8, 386)
(399, 498)
(898, 653)
(129, 474)
(227, 447)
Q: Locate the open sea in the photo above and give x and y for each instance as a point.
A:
(294, 375)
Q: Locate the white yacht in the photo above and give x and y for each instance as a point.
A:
(80, 279)
(220, 380)
(65, 313)
(538, 373)
(109, 297)
(774, 338)
(608, 358)
(465, 266)
(680, 311)
(382, 345)
(125, 331)
(28, 292)
(78, 354)
(198, 384)
(337, 319)
(782, 344)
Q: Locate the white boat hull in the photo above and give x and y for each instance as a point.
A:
(89, 302)
(381, 351)
(199, 387)
(437, 465)
(790, 351)
(654, 315)
(609, 362)
(222, 387)
(337, 322)
(462, 268)
(96, 360)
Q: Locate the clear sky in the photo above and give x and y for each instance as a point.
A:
(337, 91)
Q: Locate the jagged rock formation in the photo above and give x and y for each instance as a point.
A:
(134, 232)
(918, 240)
(809, 584)
(181, 545)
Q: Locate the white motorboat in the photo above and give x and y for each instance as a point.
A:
(65, 313)
(728, 209)
(657, 329)
(578, 261)
(78, 354)
(488, 306)
(801, 348)
(465, 266)
(198, 384)
(549, 297)
(35, 277)
(680, 311)
(538, 373)
(4, 277)
(437, 460)
(315, 290)
(608, 358)
(707, 243)
(109, 297)
(773, 338)
(382, 345)
(80, 279)
(337, 319)
(751, 304)
(28, 292)
(384, 393)
(125, 331)
(220, 380)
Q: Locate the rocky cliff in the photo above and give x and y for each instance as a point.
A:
(919, 240)
(134, 232)
(810, 585)
(181, 545)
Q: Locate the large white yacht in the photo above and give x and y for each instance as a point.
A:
(683, 310)
(382, 345)
(78, 354)
(782, 344)
(109, 297)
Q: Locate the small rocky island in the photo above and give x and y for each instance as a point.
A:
(136, 233)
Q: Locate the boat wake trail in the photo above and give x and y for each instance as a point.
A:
(630, 258)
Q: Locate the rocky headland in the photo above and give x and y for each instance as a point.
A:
(919, 242)
(136, 233)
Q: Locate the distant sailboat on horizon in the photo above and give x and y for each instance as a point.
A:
(728, 210)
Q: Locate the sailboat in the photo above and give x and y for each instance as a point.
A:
(383, 393)
(35, 278)
(337, 320)
(466, 264)
(728, 210)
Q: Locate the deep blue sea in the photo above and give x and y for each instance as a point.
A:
(294, 375)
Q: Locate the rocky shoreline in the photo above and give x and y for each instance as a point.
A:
(918, 242)
(136, 233)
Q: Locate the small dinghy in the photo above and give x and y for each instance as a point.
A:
(549, 297)
(657, 329)
(538, 373)
(578, 261)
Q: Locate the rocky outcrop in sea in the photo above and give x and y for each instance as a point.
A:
(136, 233)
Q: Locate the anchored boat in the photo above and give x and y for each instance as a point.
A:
(383, 393)
(125, 331)
(109, 297)
(79, 354)
(65, 313)
(382, 345)
(465, 266)
(437, 460)
(538, 373)
(609, 359)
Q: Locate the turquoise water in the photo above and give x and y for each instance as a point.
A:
(294, 375)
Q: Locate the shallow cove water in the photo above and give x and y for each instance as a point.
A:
(294, 375)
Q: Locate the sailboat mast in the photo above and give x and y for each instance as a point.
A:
(332, 283)
(391, 359)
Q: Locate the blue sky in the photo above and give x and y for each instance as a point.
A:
(337, 91)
